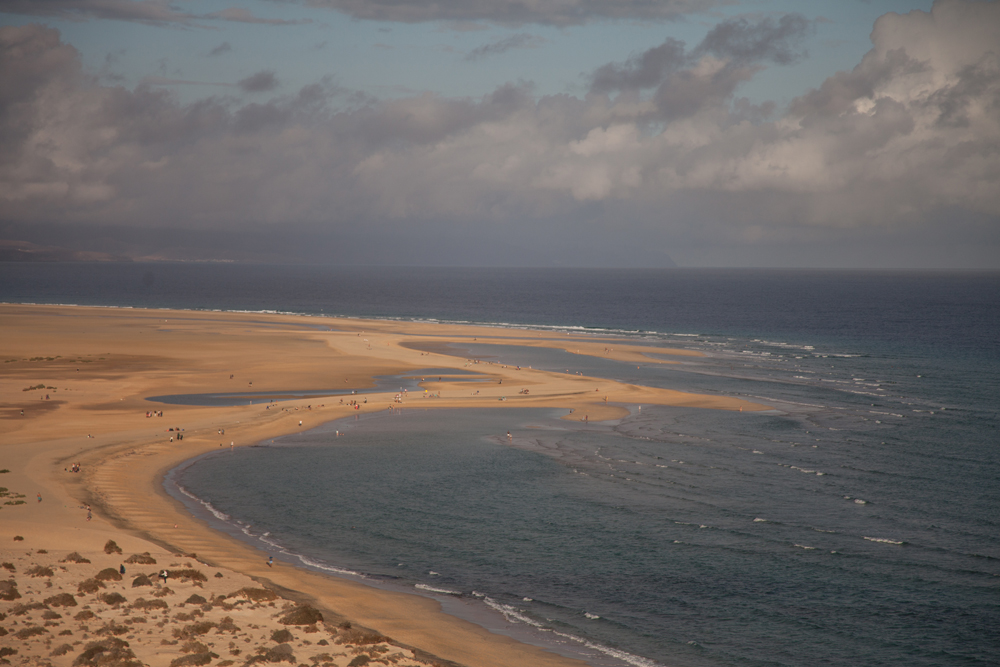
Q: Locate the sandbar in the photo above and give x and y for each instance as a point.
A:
(73, 387)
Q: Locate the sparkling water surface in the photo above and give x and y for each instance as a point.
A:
(855, 524)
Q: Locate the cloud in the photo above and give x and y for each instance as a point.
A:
(225, 47)
(515, 12)
(167, 81)
(261, 82)
(896, 160)
(518, 41)
(646, 70)
(142, 11)
(240, 15)
(744, 41)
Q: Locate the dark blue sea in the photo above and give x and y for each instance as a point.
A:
(858, 523)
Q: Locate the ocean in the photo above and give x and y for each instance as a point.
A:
(857, 523)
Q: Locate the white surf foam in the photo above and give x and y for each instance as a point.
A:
(431, 589)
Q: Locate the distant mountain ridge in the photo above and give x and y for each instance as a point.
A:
(25, 251)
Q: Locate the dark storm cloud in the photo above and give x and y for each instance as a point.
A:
(518, 41)
(888, 155)
(261, 82)
(515, 12)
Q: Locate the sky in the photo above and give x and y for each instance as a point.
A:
(606, 133)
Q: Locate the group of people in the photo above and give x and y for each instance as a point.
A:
(154, 413)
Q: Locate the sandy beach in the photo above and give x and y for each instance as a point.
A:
(73, 389)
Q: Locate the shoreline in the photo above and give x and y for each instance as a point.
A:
(128, 453)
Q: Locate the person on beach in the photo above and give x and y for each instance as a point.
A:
(121, 569)
(163, 575)
(39, 496)
(270, 561)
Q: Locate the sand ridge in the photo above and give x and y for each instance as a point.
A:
(96, 366)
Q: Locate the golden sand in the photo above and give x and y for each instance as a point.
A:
(81, 376)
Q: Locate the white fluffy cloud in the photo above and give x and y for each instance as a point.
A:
(660, 149)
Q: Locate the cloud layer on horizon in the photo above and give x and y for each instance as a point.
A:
(660, 149)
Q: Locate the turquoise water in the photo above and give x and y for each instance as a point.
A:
(856, 524)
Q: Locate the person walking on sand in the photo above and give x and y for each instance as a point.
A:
(121, 568)
(163, 575)
(39, 496)
(270, 561)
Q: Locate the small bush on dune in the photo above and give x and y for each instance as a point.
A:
(140, 603)
(8, 566)
(194, 630)
(227, 625)
(195, 659)
(255, 594)
(360, 638)
(141, 559)
(22, 609)
(281, 636)
(111, 548)
(113, 598)
(39, 571)
(112, 628)
(61, 600)
(106, 653)
(108, 574)
(8, 591)
(280, 653)
(89, 586)
(30, 632)
(141, 580)
(187, 574)
(195, 599)
(304, 615)
(62, 650)
(74, 558)
(84, 615)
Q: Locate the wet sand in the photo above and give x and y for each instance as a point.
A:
(81, 375)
